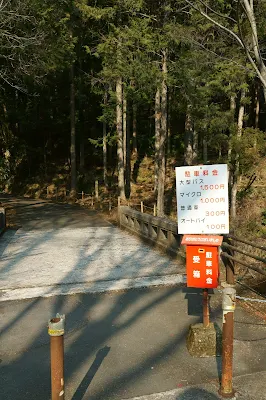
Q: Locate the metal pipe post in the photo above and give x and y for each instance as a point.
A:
(56, 332)
(206, 312)
(229, 298)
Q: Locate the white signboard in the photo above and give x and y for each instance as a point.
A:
(202, 199)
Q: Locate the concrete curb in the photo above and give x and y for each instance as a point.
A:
(90, 287)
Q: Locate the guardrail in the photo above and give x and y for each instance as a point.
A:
(233, 246)
(157, 230)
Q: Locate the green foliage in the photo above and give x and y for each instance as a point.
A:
(250, 147)
(263, 216)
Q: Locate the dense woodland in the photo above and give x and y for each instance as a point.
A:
(91, 88)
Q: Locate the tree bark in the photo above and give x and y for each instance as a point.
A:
(119, 129)
(195, 146)
(128, 158)
(105, 146)
(157, 137)
(82, 144)
(134, 127)
(73, 134)
(236, 171)
(124, 102)
(205, 150)
(188, 156)
(232, 109)
(257, 107)
(162, 140)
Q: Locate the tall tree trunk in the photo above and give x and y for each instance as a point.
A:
(195, 146)
(134, 127)
(232, 109)
(257, 113)
(128, 158)
(105, 146)
(126, 145)
(205, 150)
(168, 139)
(73, 134)
(157, 137)
(162, 140)
(81, 143)
(236, 171)
(205, 145)
(257, 107)
(119, 128)
(188, 156)
(230, 144)
(124, 129)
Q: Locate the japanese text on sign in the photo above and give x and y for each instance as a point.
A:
(202, 267)
(202, 199)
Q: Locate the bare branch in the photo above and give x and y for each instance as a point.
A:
(237, 38)
(250, 14)
(217, 24)
(215, 12)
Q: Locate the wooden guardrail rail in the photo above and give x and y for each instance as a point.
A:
(233, 250)
(157, 230)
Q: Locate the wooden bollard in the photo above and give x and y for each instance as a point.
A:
(141, 207)
(118, 201)
(47, 191)
(154, 210)
(82, 195)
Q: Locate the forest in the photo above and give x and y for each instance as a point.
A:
(123, 91)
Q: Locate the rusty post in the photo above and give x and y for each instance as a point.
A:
(56, 332)
(229, 297)
(206, 312)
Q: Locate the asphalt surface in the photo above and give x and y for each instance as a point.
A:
(118, 345)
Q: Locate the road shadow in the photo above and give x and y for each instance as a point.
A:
(93, 323)
(197, 394)
(86, 381)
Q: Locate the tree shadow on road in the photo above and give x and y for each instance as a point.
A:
(197, 394)
(93, 321)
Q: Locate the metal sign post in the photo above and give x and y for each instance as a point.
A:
(203, 212)
(229, 299)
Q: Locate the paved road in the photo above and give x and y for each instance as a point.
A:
(121, 345)
(118, 345)
(64, 249)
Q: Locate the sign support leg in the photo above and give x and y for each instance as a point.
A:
(206, 311)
